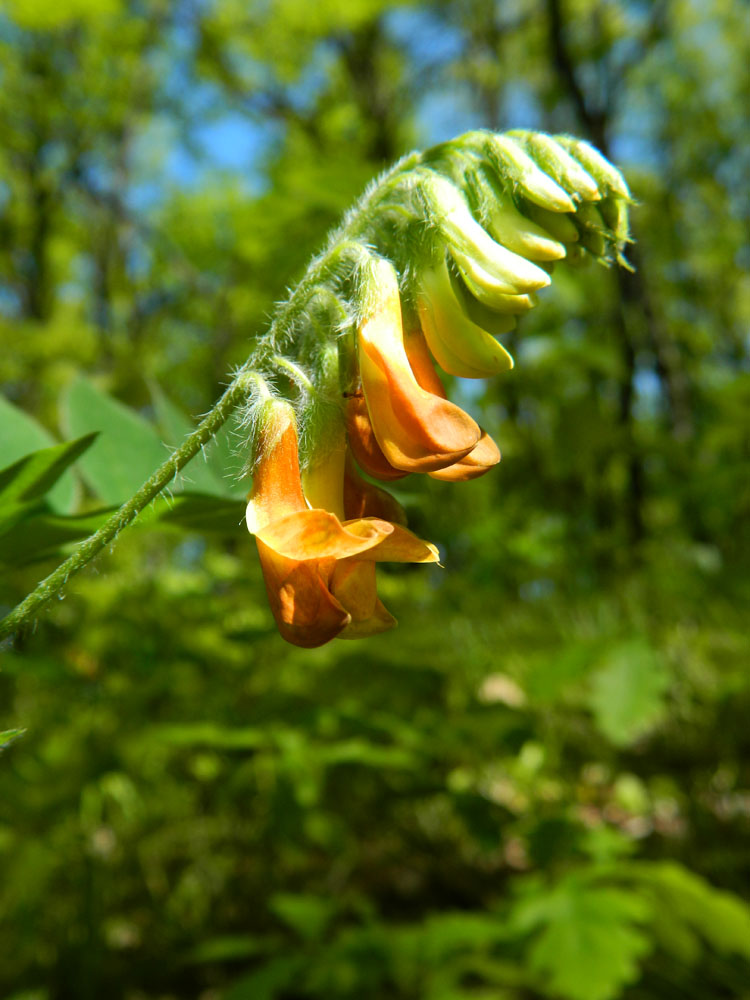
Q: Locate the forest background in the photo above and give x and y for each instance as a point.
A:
(539, 784)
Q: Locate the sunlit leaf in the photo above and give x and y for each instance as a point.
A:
(627, 692)
(588, 940)
(721, 918)
(34, 475)
(127, 451)
(307, 915)
(49, 15)
(10, 736)
(21, 434)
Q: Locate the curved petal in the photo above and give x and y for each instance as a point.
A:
(381, 620)
(421, 362)
(363, 443)
(401, 545)
(318, 534)
(305, 611)
(353, 584)
(485, 453)
(417, 430)
(475, 464)
(277, 488)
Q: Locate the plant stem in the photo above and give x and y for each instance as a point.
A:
(342, 242)
(53, 584)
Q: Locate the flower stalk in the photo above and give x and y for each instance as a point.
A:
(438, 259)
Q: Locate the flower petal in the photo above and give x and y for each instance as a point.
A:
(420, 361)
(277, 488)
(318, 534)
(353, 584)
(363, 443)
(305, 611)
(417, 430)
(381, 620)
(323, 479)
(475, 464)
(401, 545)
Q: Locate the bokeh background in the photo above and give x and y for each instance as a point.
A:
(538, 786)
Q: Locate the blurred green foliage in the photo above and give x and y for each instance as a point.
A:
(538, 786)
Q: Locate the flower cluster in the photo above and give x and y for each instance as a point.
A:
(319, 564)
(435, 264)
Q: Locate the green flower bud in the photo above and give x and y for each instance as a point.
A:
(480, 303)
(593, 230)
(559, 224)
(554, 160)
(475, 252)
(496, 322)
(614, 211)
(459, 346)
(607, 176)
(518, 233)
(511, 162)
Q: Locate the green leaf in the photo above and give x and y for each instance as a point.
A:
(587, 942)
(210, 735)
(40, 536)
(21, 434)
(720, 917)
(34, 475)
(269, 981)
(551, 676)
(627, 692)
(10, 736)
(365, 754)
(48, 15)
(13, 514)
(230, 948)
(197, 512)
(175, 425)
(128, 449)
(306, 914)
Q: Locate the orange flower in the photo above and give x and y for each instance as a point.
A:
(353, 581)
(485, 452)
(417, 430)
(310, 558)
(363, 443)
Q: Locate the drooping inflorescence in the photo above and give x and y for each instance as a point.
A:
(439, 259)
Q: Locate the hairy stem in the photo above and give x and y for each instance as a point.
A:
(240, 387)
(343, 245)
